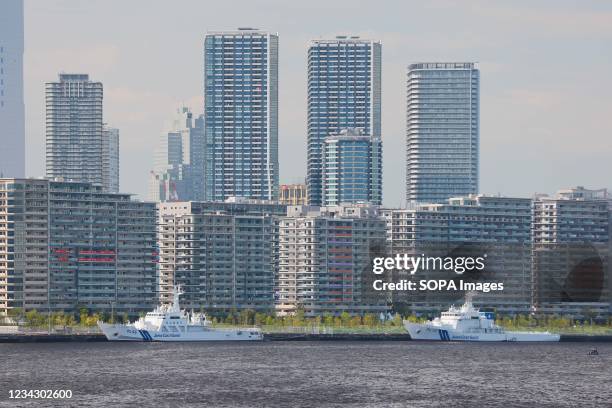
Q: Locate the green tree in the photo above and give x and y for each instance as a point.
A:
(345, 317)
(355, 321)
(34, 319)
(298, 318)
(16, 314)
(70, 320)
(259, 319)
(83, 315)
(369, 320)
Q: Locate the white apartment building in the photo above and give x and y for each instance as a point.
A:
(325, 260)
(70, 245)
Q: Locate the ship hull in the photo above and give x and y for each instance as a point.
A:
(120, 332)
(427, 332)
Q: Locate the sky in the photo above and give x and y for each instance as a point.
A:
(546, 76)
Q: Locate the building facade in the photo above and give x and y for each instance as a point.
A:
(443, 131)
(74, 129)
(110, 159)
(344, 91)
(180, 160)
(571, 253)
(496, 228)
(70, 245)
(223, 254)
(292, 194)
(241, 114)
(12, 119)
(325, 260)
(352, 168)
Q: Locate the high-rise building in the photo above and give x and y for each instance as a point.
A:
(241, 114)
(352, 168)
(495, 228)
(344, 91)
(69, 245)
(571, 253)
(110, 159)
(292, 194)
(12, 120)
(74, 129)
(325, 260)
(442, 136)
(180, 160)
(223, 254)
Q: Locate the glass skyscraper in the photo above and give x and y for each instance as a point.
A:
(352, 164)
(442, 136)
(179, 160)
(344, 90)
(12, 119)
(241, 114)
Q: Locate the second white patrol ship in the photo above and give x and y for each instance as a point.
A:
(469, 324)
(170, 323)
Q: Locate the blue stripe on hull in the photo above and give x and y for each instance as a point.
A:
(148, 335)
(145, 335)
(444, 336)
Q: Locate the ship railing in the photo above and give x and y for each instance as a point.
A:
(59, 330)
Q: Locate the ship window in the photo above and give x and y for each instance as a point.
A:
(174, 317)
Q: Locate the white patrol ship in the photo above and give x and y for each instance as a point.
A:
(469, 324)
(170, 323)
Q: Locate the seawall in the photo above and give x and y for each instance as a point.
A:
(53, 338)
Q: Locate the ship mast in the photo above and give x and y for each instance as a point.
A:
(176, 293)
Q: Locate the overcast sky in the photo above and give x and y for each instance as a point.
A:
(546, 76)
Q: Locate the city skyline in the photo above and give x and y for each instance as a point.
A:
(522, 113)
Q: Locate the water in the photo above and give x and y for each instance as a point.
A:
(311, 374)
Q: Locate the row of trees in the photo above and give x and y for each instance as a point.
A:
(251, 318)
(84, 318)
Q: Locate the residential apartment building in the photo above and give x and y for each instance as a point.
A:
(443, 131)
(70, 245)
(223, 254)
(241, 114)
(496, 228)
(12, 116)
(110, 159)
(571, 253)
(325, 261)
(74, 129)
(344, 91)
(352, 168)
